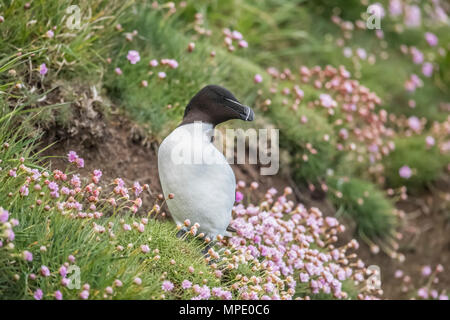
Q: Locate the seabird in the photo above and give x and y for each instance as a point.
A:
(194, 170)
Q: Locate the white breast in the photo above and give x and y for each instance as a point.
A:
(199, 176)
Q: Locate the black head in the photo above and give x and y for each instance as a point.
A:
(214, 104)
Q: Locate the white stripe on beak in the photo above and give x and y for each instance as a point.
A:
(248, 112)
(236, 102)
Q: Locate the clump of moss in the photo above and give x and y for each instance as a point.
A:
(363, 202)
(425, 162)
(295, 137)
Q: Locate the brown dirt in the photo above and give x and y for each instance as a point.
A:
(118, 147)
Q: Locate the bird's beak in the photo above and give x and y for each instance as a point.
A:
(245, 112)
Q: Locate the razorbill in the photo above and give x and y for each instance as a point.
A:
(194, 170)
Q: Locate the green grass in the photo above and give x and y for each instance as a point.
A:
(364, 203)
(96, 255)
(158, 39)
(71, 52)
(294, 136)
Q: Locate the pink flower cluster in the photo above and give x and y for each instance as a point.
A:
(293, 246)
(74, 158)
(288, 248)
(354, 105)
(231, 36)
(426, 283)
(7, 234)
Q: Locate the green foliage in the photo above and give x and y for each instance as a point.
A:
(427, 163)
(99, 261)
(364, 203)
(294, 136)
(74, 51)
(159, 39)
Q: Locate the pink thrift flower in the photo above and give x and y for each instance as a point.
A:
(133, 56)
(413, 16)
(331, 222)
(50, 34)
(24, 191)
(430, 141)
(153, 63)
(422, 293)
(343, 133)
(43, 69)
(236, 35)
(186, 284)
(327, 101)
(395, 8)
(80, 163)
(398, 274)
(362, 54)
(243, 44)
(405, 172)
(45, 271)
(58, 295)
(258, 78)
(414, 123)
(118, 71)
(162, 75)
(12, 173)
(27, 255)
(72, 156)
(137, 189)
(84, 294)
(97, 173)
(304, 277)
(417, 55)
(145, 248)
(4, 215)
(137, 281)
(167, 285)
(63, 271)
(347, 52)
(64, 282)
(65, 190)
(239, 196)
(427, 69)
(173, 63)
(426, 271)
(431, 38)
(38, 294)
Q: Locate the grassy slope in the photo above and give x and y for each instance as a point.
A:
(96, 254)
(293, 35)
